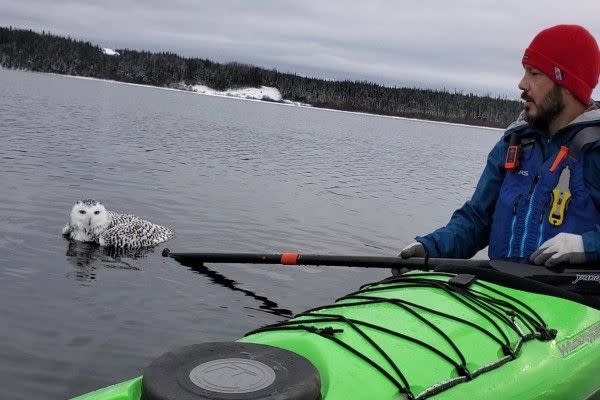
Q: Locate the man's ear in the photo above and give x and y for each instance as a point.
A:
(567, 93)
(569, 98)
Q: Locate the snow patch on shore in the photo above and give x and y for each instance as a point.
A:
(264, 93)
(109, 52)
(261, 93)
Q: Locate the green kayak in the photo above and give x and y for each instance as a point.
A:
(451, 333)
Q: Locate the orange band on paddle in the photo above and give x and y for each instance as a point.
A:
(289, 258)
(564, 150)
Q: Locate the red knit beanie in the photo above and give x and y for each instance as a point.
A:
(569, 55)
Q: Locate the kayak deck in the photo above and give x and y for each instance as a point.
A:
(442, 335)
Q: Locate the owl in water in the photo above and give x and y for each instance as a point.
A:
(89, 221)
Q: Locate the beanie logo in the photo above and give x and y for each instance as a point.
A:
(558, 74)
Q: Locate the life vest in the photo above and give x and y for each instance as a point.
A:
(521, 220)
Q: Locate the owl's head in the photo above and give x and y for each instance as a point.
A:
(89, 214)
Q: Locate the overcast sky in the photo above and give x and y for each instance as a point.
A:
(470, 46)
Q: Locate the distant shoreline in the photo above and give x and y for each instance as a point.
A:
(49, 53)
(290, 104)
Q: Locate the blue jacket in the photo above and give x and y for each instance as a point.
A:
(470, 227)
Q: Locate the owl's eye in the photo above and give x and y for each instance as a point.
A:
(81, 211)
(97, 212)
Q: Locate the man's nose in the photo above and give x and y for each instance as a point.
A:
(523, 84)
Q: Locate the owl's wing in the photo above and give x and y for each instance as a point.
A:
(119, 219)
(136, 233)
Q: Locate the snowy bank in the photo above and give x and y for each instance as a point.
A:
(109, 52)
(261, 93)
(264, 93)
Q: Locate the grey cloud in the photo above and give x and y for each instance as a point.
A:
(474, 46)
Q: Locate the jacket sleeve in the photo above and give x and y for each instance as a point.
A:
(591, 168)
(469, 228)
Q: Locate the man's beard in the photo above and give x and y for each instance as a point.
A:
(548, 110)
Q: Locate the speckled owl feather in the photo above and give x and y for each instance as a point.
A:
(91, 222)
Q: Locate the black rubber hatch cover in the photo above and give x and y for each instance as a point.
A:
(231, 370)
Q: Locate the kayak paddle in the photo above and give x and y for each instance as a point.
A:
(324, 260)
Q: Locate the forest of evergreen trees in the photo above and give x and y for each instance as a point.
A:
(44, 52)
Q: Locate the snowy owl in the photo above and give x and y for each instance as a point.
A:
(90, 222)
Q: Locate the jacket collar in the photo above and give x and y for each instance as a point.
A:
(591, 116)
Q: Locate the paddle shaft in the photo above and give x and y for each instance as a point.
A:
(321, 259)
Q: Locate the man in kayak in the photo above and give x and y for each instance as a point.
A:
(538, 198)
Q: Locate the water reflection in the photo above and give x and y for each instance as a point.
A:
(267, 305)
(87, 258)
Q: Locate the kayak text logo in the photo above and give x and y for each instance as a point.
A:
(587, 278)
(584, 337)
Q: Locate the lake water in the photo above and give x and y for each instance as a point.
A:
(227, 175)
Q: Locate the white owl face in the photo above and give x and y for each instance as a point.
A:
(89, 215)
